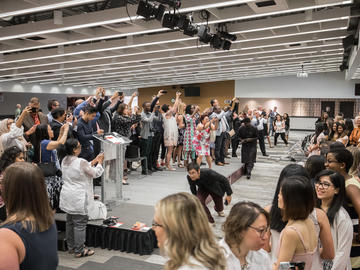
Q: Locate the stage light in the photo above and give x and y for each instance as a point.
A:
(171, 3)
(203, 34)
(159, 13)
(150, 11)
(191, 31)
(170, 20)
(226, 45)
(216, 42)
(227, 36)
(183, 22)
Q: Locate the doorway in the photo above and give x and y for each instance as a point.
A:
(329, 107)
(347, 108)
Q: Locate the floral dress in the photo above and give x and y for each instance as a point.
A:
(202, 142)
(189, 136)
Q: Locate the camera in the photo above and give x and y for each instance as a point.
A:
(292, 266)
(33, 110)
(164, 91)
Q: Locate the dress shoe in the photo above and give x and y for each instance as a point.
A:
(226, 163)
(234, 155)
(157, 169)
(220, 164)
(248, 176)
(265, 155)
(125, 183)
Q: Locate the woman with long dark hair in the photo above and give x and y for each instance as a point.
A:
(341, 160)
(314, 165)
(342, 134)
(319, 218)
(298, 240)
(287, 125)
(45, 151)
(330, 191)
(279, 127)
(28, 235)
(314, 148)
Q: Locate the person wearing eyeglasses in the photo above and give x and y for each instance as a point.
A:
(298, 240)
(330, 191)
(341, 160)
(184, 235)
(246, 232)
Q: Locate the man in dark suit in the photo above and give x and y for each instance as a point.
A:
(59, 116)
(33, 119)
(210, 183)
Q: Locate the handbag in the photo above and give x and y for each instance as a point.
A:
(48, 168)
(212, 136)
(231, 133)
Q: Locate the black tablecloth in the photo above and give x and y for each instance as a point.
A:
(142, 243)
(125, 240)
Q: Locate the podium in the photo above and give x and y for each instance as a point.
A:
(113, 145)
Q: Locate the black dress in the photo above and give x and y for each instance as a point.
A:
(249, 149)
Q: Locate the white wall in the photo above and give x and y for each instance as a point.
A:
(321, 85)
(283, 104)
(18, 93)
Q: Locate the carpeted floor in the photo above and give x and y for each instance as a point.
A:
(117, 263)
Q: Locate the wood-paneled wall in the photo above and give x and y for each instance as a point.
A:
(213, 90)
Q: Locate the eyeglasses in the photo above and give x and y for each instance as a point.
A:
(331, 161)
(323, 185)
(155, 224)
(262, 232)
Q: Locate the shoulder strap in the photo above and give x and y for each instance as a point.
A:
(300, 236)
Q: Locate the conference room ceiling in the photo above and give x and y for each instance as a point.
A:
(92, 42)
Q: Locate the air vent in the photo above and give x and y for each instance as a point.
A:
(295, 45)
(265, 3)
(144, 62)
(49, 72)
(36, 38)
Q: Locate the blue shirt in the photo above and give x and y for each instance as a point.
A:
(85, 132)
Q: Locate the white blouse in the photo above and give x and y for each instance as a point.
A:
(256, 260)
(342, 234)
(77, 194)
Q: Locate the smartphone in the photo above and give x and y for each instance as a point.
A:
(164, 91)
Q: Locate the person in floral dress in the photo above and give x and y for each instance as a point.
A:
(189, 149)
(201, 140)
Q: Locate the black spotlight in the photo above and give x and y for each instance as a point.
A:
(190, 31)
(226, 45)
(159, 12)
(183, 22)
(145, 9)
(170, 20)
(203, 34)
(228, 36)
(216, 42)
(171, 3)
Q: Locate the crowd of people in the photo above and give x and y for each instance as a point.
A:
(313, 217)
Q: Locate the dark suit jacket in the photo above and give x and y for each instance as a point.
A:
(56, 126)
(29, 122)
(211, 181)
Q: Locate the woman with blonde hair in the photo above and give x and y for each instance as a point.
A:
(355, 151)
(184, 234)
